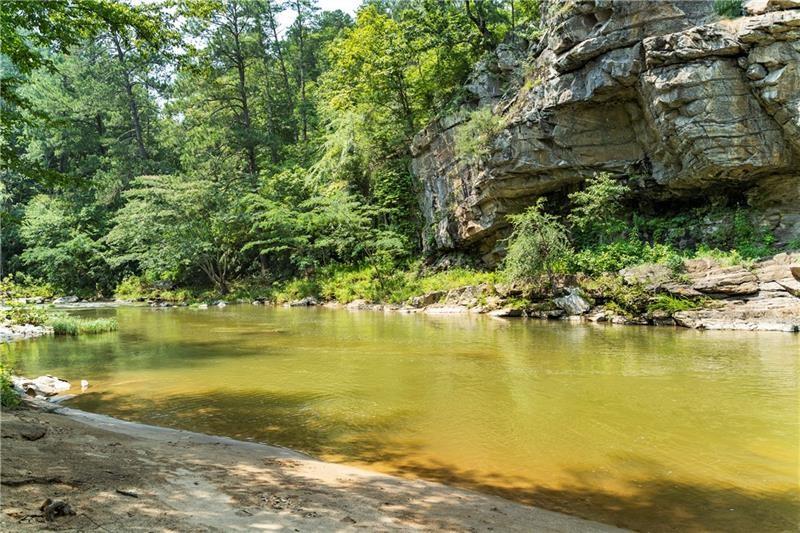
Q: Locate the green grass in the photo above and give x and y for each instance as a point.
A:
(345, 284)
(672, 304)
(69, 325)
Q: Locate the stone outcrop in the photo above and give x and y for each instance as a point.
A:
(667, 90)
(761, 296)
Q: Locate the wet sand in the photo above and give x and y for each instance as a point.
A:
(123, 476)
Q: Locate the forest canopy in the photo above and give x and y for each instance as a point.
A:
(195, 142)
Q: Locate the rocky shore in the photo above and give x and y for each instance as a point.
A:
(14, 332)
(763, 296)
(69, 470)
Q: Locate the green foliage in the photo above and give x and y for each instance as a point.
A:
(177, 228)
(64, 324)
(134, 288)
(347, 283)
(722, 228)
(728, 8)
(539, 244)
(59, 250)
(473, 139)
(22, 285)
(8, 396)
(620, 254)
(597, 210)
(627, 300)
(25, 314)
(723, 257)
(672, 304)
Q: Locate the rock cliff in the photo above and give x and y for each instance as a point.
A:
(668, 91)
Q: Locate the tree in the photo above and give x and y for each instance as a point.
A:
(596, 210)
(34, 33)
(59, 250)
(214, 81)
(176, 227)
(538, 245)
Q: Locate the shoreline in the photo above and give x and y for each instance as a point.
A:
(764, 296)
(134, 475)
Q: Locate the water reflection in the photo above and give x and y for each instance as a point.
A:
(642, 427)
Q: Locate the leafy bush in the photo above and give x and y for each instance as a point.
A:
(8, 396)
(26, 314)
(64, 324)
(347, 283)
(621, 254)
(473, 139)
(597, 209)
(21, 285)
(627, 300)
(711, 227)
(724, 258)
(538, 245)
(134, 288)
(297, 289)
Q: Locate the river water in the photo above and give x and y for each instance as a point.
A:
(650, 428)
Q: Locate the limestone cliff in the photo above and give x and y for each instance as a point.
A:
(668, 91)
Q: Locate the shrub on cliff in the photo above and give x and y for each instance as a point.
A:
(473, 139)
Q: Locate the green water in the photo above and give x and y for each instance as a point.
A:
(649, 428)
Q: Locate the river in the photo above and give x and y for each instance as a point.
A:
(648, 428)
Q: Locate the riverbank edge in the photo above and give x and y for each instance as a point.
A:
(705, 294)
(227, 469)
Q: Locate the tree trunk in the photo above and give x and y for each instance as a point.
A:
(242, 86)
(282, 63)
(301, 69)
(132, 105)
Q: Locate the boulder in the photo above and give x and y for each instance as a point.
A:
(41, 386)
(573, 303)
(303, 302)
(710, 278)
(649, 275)
(427, 299)
(363, 305)
(66, 300)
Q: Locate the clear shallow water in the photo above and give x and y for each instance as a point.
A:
(649, 428)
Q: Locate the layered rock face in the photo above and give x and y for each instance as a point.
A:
(668, 91)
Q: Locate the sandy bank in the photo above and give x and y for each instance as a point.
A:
(123, 476)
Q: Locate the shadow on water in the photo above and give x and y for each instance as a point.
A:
(649, 503)
(283, 419)
(652, 504)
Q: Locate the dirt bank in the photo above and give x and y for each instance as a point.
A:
(122, 476)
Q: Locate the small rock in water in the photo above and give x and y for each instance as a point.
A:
(66, 300)
(84, 385)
